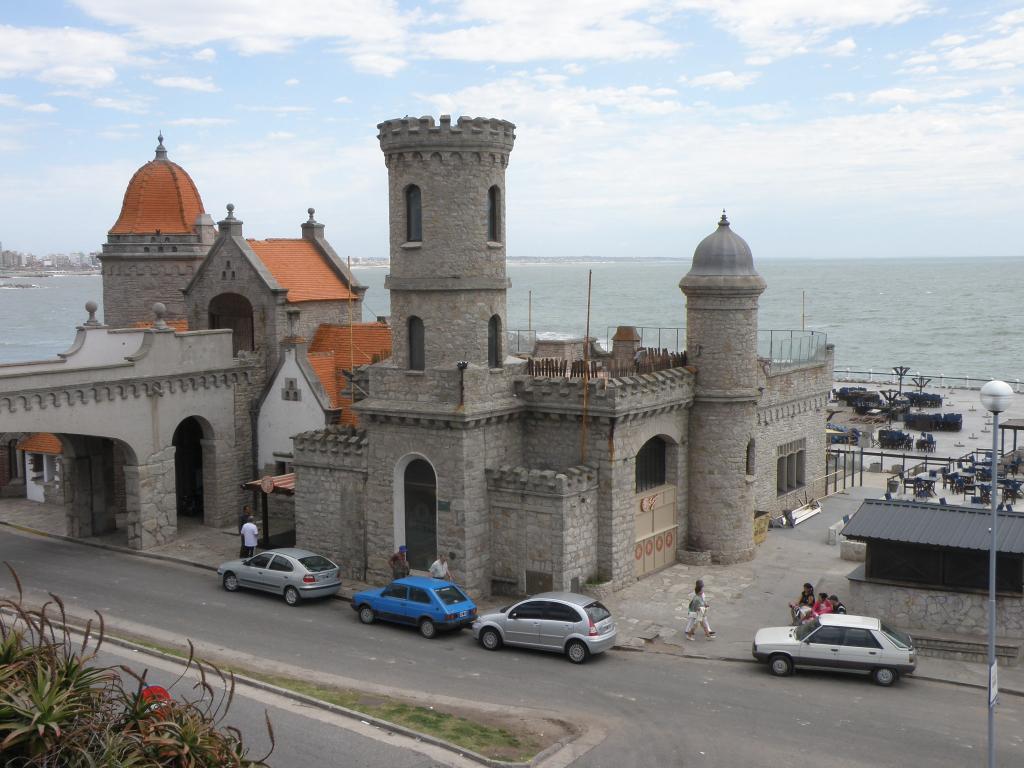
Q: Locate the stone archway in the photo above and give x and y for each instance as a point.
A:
(416, 510)
(101, 481)
(234, 311)
(188, 468)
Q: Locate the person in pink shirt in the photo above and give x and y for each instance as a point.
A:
(822, 605)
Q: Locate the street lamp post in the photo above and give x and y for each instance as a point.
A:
(995, 398)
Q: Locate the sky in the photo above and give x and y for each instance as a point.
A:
(848, 129)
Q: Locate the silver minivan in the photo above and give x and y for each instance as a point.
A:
(565, 622)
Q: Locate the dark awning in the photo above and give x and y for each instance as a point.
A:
(936, 525)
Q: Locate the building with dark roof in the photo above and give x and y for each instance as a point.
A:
(926, 566)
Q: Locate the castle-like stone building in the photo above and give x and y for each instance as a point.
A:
(528, 478)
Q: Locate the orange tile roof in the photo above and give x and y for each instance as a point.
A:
(338, 348)
(298, 265)
(160, 197)
(41, 442)
(180, 324)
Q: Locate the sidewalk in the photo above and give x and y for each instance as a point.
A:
(651, 613)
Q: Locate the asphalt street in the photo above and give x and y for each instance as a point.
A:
(651, 709)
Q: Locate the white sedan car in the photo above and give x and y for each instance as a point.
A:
(840, 642)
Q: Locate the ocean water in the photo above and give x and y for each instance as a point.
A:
(953, 317)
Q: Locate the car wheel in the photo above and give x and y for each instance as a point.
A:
(490, 639)
(366, 614)
(428, 629)
(230, 582)
(291, 595)
(884, 676)
(780, 665)
(577, 652)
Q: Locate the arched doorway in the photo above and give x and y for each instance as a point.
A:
(420, 485)
(188, 468)
(230, 310)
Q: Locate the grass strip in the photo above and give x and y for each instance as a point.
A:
(479, 737)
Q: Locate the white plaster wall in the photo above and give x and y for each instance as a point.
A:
(33, 487)
(279, 419)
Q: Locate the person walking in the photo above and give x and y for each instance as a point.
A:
(439, 568)
(250, 537)
(242, 520)
(698, 613)
(399, 563)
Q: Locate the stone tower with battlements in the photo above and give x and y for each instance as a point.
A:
(442, 408)
(446, 195)
(156, 245)
(722, 290)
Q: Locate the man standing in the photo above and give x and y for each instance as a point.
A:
(243, 518)
(399, 564)
(698, 613)
(250, 536)
(439, 568)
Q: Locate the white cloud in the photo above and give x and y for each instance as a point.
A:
(291, 81)
(343, 100)
(40, 107)
(202, 122)
(779, 28)
(844, 47)
(913, 96)
(67, 56)
(284, 109)
(846, 96)
(204, 84)
(1001, 52)
(726, 80)
(13, 102)
(205, 54)
(280, 135)
(948, 41)
(134, 104)
(574, 69)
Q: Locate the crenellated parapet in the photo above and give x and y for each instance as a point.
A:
(337, 446)
(545, 482)
(422, 134)
(609, 397)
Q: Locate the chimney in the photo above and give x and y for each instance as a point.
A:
(312, 229)
(229, 225)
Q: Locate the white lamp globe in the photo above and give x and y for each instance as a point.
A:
(996, 396)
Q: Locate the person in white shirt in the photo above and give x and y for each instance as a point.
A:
(250, 537)
(439, 568)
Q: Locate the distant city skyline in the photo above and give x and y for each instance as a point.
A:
(882, 128)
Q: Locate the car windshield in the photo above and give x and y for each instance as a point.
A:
(805, 629)
(450, 595)
(315, 563)
(597, 612)
(899, 639)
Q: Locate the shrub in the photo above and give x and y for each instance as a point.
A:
(60, 707)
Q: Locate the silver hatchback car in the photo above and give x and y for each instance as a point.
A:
(565, 622)
(296, 574)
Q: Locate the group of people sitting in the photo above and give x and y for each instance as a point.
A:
(808, 607)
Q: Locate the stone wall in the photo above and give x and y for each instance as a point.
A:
(936, 610)
(543, 528)
(792, 406)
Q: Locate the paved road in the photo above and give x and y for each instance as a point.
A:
(655, 710)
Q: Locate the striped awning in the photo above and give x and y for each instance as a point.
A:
(273, 484)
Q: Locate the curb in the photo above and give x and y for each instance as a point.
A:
(384, 725)
(345, 598)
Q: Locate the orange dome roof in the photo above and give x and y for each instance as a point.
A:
(160, 197)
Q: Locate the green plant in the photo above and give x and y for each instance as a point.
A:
(59, 707)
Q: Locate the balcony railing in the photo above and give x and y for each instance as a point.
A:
(787, 349)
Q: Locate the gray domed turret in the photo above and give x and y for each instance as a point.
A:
(723, 252)
(722, 288)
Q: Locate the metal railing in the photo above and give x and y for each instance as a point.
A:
(672, 339)
(791, 348)
(938, 380)
(519, 342)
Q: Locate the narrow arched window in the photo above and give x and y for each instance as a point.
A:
(413, 214)
(494, 342)
(780, 475)
(417, 358)
(650, 465)
(750, 457)
(494, 214)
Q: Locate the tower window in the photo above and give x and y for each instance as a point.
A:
(413, 214)
(494, 214)
(417, 360)
(494, 342)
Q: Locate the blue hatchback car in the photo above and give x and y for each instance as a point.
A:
(430, 604)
